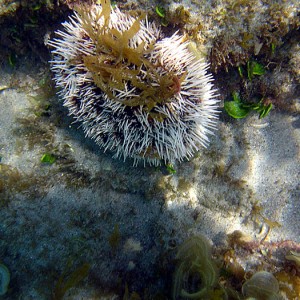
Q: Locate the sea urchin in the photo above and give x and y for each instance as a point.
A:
(136, 93)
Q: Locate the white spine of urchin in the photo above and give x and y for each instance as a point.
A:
(187, 117)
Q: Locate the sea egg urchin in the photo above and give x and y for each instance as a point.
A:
(136, 93)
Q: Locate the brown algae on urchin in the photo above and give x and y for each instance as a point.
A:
(137, 93)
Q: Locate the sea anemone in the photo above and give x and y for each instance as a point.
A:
(136, 93)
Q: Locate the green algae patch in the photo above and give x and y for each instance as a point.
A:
(4, 279)
(239, 109)
(295, 257)
(115, 238)
(170, 168)
(255, 68)
(67, 281)
(48, 158)
(262, 285)
(196, 275)
(235, 108)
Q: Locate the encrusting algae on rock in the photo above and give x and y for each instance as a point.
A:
(137, 93)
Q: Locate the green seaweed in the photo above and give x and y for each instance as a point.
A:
(295, 257)
(196, 274)
(115, 238)
(170, 168)
(4, 279)
(255, 68)
(273, 48)
(67, 281)
(160, 11)
(235, 108)
(12, 59)
(261, 286)
(239, 109)
(48, 158)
